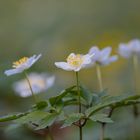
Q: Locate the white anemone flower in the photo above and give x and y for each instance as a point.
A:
(102, 57)
(129, 49)
(39, 82)
(75, 62)
(22, 64)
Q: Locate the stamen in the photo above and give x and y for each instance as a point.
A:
(20, 62)
(75, 60)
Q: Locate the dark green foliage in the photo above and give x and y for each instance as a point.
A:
(46, 113)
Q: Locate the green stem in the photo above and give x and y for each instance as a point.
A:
(102, 131)
(135, 66)
(99, 76)
(135, 108)
(33, 95)
(80, 107)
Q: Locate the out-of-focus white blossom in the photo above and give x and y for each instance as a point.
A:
(75, 62)
(129, 49)
(102, 57)
(22, 64)
(39, 82)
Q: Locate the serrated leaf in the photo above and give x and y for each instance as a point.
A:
(101, 118)
(87, 95)
(72, 118)
(57, 99)
(113, 101)
(103, 93)
(32, 117)
(47, 121)
(73, 100)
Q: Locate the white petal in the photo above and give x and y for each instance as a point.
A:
(124, 50)
(72, 54)
(87, 58)
(110, 60)
(63, 65)
(13, 71)
(76, 69)
(22, 88)
(32, 60)
(135, 45)
(37, 58)
(94, 50)
(113, 58)
(50, 81)
(104, 54)
(88, 61)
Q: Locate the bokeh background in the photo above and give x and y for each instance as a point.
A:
(56, 28)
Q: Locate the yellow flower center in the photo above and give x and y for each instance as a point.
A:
(20, 62)
(75, 60)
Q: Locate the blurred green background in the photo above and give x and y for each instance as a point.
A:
(56, 28)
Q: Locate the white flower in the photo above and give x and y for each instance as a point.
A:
(129, 49)
(22, 64)
(102, 57)
(39, 82)
(75, 62)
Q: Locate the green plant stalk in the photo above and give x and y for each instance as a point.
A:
(99, 77)
(135, 108)
(80, 107)
(135, 66)
(33, 95)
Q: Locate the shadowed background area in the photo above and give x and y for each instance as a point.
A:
(56, 28)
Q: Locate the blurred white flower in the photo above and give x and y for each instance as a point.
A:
(129, 49)
(75, 62)
(102, 57)
(39, 82)
(22, 64)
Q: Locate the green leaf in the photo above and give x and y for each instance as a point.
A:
(73, 100)
(103, 93)
(12, 117)
(112, 101)
(33, 117)
(58, 99)
(40, 105)
(70, 101)
(87, 95)
(93, 98)
(72, 118)
(47, 121)
(101, 118)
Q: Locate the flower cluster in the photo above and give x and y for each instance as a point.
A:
(74, 62)
(93, 105)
